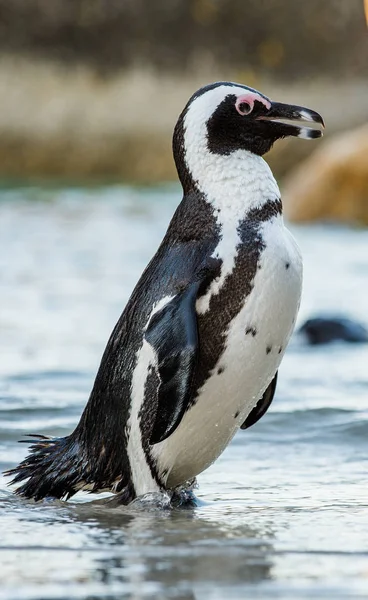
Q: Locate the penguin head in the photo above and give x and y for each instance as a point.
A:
(224, 118)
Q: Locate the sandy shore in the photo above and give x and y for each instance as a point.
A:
(72, 123)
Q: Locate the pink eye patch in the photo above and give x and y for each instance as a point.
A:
(245, 103)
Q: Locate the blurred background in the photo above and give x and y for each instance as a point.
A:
(90, 91)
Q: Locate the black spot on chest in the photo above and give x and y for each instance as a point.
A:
(251, 330)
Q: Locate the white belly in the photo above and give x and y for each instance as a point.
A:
(247, 364)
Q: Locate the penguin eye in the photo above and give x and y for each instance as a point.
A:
(244, 108)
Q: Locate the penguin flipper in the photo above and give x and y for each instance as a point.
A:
(173, 334)
(262, 405)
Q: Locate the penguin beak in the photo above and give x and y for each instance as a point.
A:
(280, 115)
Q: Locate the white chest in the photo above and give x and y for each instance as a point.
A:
(255, 343)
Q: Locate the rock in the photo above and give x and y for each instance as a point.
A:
(323, 330)
(332, 184)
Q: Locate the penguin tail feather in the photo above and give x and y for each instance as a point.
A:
(54, 468)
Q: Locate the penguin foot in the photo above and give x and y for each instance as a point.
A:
(183, 496)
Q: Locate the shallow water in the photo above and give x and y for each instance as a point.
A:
(284, 511)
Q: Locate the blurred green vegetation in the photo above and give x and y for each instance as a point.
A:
(287, 38)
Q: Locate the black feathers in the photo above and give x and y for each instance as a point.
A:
(262, 405)
(54, 468)
(173, 334)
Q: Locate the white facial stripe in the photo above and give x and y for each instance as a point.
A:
(206, 103)
(236, 182)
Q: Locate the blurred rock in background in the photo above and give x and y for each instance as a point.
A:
(92, 88)
(332, 184)
(325, 329)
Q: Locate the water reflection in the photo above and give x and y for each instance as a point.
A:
(177, 549)
(170, 553)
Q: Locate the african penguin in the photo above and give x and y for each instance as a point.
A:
(195, 354)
